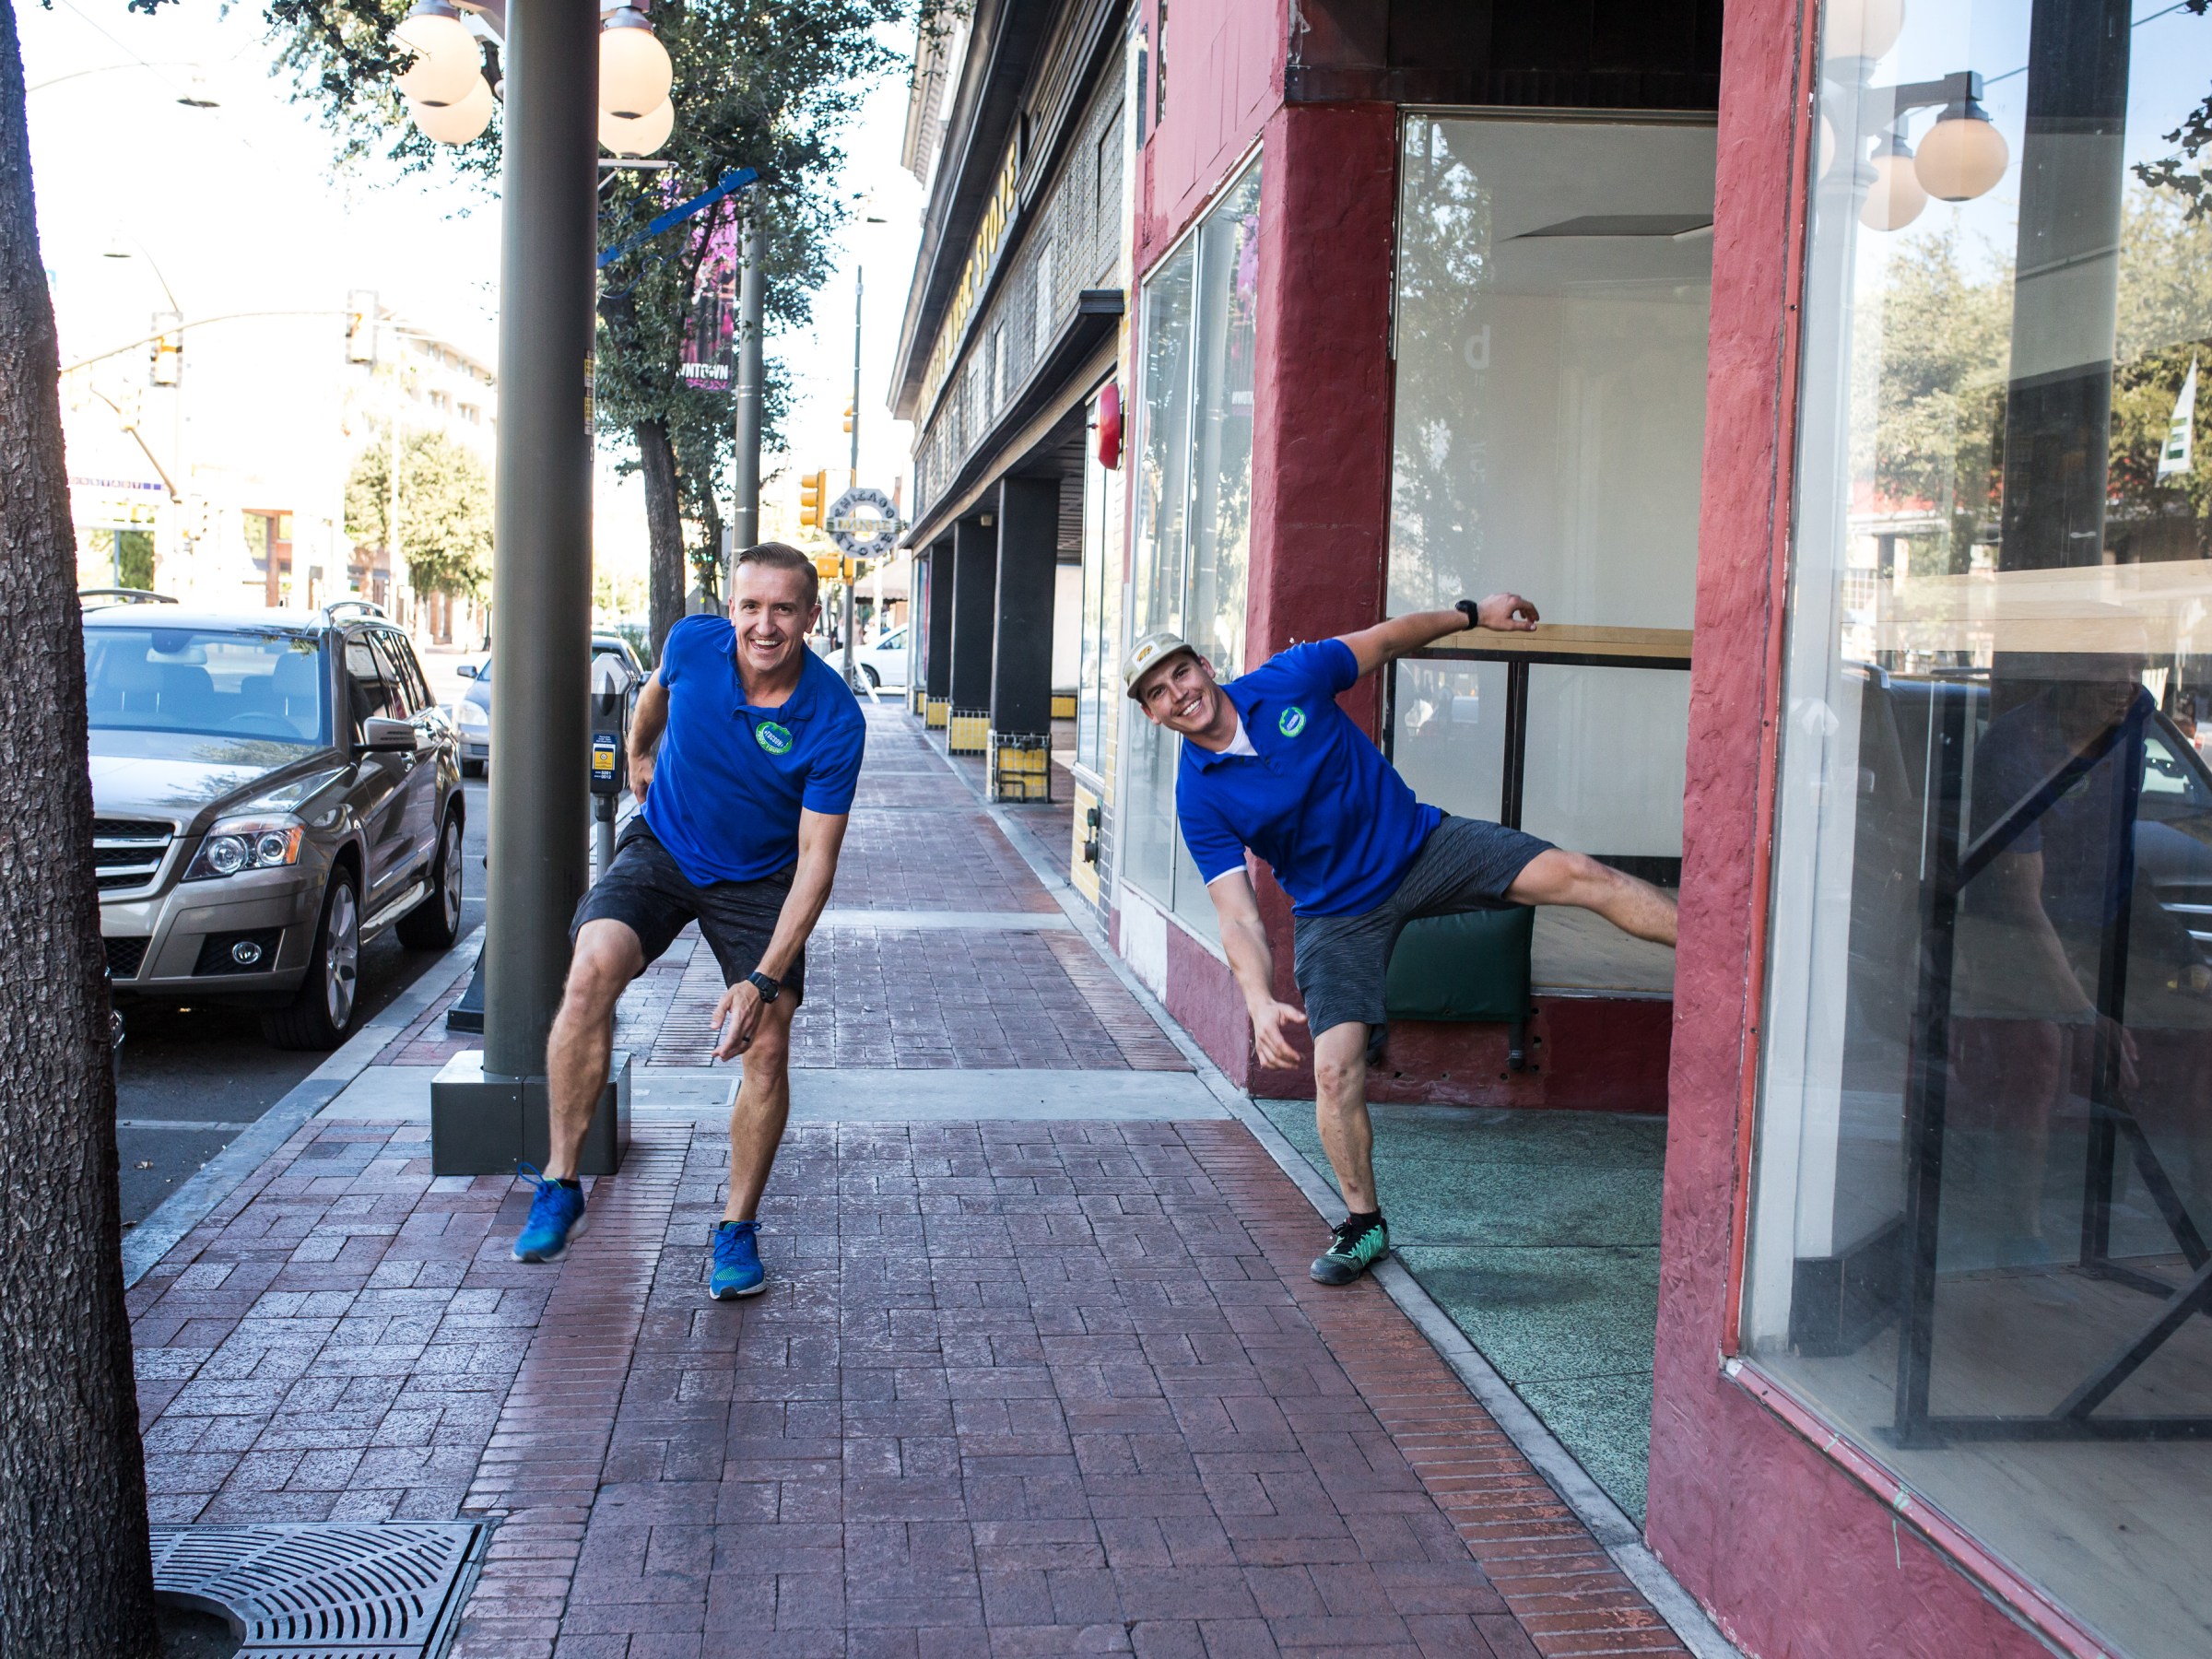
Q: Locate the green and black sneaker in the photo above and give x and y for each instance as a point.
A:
(1354, 1247)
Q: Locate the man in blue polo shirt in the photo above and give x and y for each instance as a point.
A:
(745, 749)
(1271, 763)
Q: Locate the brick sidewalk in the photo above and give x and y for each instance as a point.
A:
(1017, 1388)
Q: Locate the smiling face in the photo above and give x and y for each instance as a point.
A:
(1182, 694)
(772, 609)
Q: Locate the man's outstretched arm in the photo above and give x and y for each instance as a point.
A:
(1244, 940)
(821, 836)
(1386, 642)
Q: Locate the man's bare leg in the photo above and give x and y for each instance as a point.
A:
(760, 1110)
(582, 1044)
(1347, 1135)
(1558, 877)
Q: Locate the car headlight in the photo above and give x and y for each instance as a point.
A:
(472, 715)
(237, 845)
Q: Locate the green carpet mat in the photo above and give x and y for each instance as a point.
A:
(1537, 1233)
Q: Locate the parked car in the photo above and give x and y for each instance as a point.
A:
(472, 714)
(270, 791)
(884, 663)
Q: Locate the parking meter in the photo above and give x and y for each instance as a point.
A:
(612, 683)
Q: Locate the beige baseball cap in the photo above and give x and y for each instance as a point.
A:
(1150, 653)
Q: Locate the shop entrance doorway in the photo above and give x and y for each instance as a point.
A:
(1554, 278)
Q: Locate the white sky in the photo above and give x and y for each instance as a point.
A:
(241, 208)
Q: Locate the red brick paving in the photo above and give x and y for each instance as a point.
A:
(1016, 1389)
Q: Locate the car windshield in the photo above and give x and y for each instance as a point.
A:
(228, 683)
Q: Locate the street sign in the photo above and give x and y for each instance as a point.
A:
(864, 523)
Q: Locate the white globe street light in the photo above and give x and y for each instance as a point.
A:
(456, 122)
(635, 75)
(1863, 28)
(446, 56)
(1895, 197)
(630, 137)
(1964, 155)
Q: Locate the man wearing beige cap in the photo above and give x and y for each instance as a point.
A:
(1272, 764)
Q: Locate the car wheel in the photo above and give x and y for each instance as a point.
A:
(875, 679)
(435, 923)
(323, 1013)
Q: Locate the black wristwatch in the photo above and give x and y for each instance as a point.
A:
(1471, 611)
(769, 989)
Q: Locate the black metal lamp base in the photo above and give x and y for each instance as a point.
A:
(484, 1124)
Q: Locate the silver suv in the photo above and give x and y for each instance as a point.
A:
(269, 791)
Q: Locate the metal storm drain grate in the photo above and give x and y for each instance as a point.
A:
(333, 1590)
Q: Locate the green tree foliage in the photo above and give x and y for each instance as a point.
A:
(767, 86)
(444, 510)
(1934, 375)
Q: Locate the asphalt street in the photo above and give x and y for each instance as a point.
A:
(188, 1080)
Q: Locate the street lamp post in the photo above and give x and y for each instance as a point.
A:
(488, 1110)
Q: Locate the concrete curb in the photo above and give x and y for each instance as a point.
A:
(1616, 1534)
(189, 1204)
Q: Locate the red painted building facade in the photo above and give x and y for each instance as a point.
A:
(1827, 372)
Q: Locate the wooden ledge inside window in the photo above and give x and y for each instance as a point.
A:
(1569, 642)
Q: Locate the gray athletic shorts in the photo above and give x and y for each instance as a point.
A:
(1342, 961)
(647, 891)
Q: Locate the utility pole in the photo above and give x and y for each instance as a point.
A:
(391, 554)
(744, 470)
(851, 575)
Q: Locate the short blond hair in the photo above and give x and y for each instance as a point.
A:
(780, 556)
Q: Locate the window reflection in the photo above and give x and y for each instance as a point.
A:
(1984, 1187)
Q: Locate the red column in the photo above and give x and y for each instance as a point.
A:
(1321, 410)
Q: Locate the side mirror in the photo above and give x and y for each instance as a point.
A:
(466, 670)
(381, 736)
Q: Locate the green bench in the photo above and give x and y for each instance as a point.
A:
(1465, 968)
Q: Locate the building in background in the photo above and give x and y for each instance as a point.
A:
(1012, 339)
(1827, 375)
(210, 463)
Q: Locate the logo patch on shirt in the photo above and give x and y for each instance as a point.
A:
(1292, 723)
(772, 737)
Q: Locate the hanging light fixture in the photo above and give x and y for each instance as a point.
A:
(635, 75)
(1895, 197)
(446, 56)
(1964, 155)
(459, 122)
(1863, 28)
(630, 137)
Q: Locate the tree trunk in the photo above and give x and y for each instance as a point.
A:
(76, 1574)
(664, 583)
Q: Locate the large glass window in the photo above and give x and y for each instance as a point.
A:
(1194, 505)
(1983, 1181)
(1102, 520)
(1553, 282)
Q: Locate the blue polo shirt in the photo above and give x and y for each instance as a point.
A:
(729, 778)
(1318, 802)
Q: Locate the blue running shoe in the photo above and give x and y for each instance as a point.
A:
(737, 1270)
(556, 1216)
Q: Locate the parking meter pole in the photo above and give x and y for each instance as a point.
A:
(610, 753)
(541, 576)
(752, 292)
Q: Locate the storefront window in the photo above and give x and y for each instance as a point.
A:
(1553, 281)
(1984, 1179)
(1102, 517)
(1194, 499)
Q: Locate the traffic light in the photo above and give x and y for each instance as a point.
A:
(168, 357)
(848, 416)
(827, 566)
(811, 493)
(360, 326)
